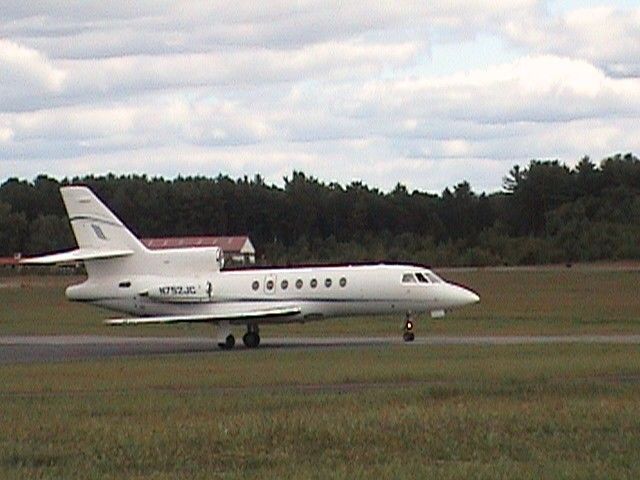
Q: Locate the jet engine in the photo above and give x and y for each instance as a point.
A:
(186, 261)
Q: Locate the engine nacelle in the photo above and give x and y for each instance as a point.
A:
(187, 261)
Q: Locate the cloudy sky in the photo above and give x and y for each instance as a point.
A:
(426, 93)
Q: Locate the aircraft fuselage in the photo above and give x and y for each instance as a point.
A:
(319, 292)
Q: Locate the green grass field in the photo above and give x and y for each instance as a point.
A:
(537, 411)
(397, 412)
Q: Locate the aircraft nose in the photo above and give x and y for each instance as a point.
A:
(473, 297)
(461, 296)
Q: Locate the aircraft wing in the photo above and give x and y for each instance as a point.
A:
(212, 317)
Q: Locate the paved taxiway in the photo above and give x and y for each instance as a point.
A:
(28, 349)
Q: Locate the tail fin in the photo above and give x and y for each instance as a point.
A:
(109, 249)
(99, 233)
(94, 225)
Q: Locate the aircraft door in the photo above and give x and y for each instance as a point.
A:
(270, 284)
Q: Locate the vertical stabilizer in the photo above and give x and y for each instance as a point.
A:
(94, 225)
(109, 249)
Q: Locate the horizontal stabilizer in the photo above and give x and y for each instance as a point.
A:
(77, 255)
(212, 317)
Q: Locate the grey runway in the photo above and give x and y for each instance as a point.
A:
(29, 349)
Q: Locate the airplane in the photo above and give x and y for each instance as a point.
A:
(188, 285)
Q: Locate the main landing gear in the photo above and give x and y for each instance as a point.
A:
(227, 341)
(408, 335)
(251, 339)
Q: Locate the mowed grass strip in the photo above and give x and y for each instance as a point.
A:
(550, 301)
(513, 302)
(402, 364)
(566, 411)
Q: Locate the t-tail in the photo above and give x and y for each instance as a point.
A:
(100, 235)
(110, 251)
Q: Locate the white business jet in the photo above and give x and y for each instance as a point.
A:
(187, 284)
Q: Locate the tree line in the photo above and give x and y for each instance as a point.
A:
(546, 212)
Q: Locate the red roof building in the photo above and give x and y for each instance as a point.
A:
(9, 261)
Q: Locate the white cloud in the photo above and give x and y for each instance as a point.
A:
(38, 84)
(120, 27)
(25, 68)
(150, 124)
(340, 89)
(246, 67)
(541, 88)
(604, 35)
(6, 134)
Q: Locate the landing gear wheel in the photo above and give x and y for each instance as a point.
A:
(228, 343)
(251, 339)
(408, 335)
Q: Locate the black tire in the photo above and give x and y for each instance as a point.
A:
(228, 343)
(251, 339)
(408, 336)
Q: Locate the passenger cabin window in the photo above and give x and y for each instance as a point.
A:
(124, 284)
(408, 278)
(270, 284)
(255, 285)
(421, 278)
(343, 282)
(284, 284)
(313, 283)
(299, 283)
(327, 282)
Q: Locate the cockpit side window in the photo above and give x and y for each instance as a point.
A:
(408, 278)
(421, 278)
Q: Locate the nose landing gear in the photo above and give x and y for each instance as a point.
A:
(408, 335)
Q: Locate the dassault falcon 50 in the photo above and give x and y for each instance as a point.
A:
(188, 284)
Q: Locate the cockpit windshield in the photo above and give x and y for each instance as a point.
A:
(424, 277)
(421, 278)
(433, 277)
